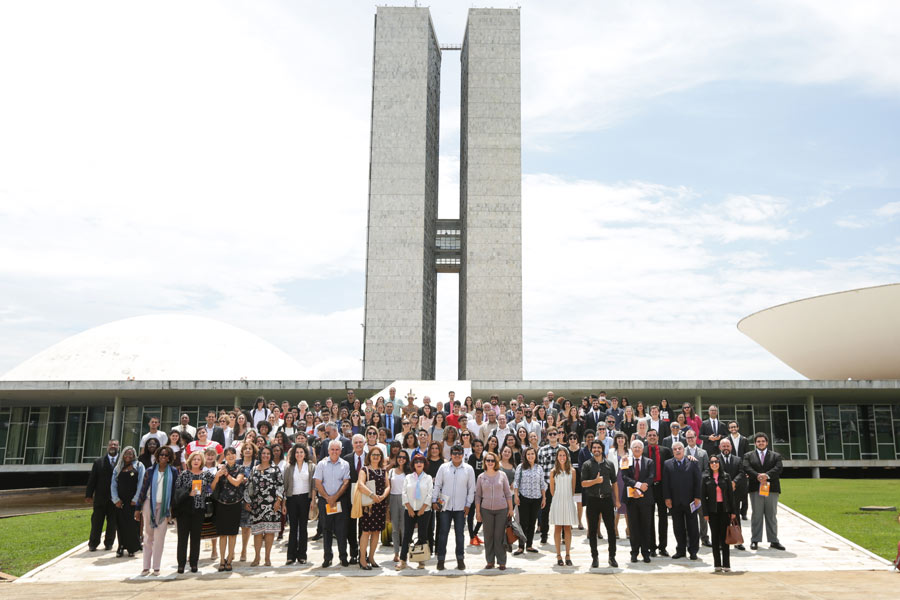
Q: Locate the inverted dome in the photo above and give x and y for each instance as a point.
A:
(159, 347)
(852, 334)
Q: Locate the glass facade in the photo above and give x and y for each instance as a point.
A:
(79, 434)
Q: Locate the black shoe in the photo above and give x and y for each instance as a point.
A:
(595, 563)
(533, 550)
(612, 562)
(754, 545)
(107, 548)
(316, 537)
(440, 565)
(120, 552)
(289, 562)
(345, 562)
(301, 561)
(743, 517)
(519, 551)
(363, 567)
(599, 536)
(707, 543)
(543, 540)
(460, 565)
(739, 547)
(653, 554)
(662, 552)
(373, 564)
(92, 548)
(193, 569)
(647, 559)
(326, 563)
(180, 570)
(776, 545)
(354, 560)
(634, 558)
(678, 555)
(694, 557)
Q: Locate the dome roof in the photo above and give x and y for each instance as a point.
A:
(159, 347)
(852, 334)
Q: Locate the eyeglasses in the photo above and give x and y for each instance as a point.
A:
(489, 460)
(371, 433)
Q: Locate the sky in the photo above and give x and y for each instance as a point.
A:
(684, 165)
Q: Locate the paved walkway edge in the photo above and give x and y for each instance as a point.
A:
(821, 527)
(24, 578)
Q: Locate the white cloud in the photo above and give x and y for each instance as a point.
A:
(890, 210)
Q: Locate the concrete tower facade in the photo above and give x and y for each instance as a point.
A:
(407, 245)
(401, 280)
(490, 283)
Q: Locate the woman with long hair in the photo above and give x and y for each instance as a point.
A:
(148, 455)
(394, 450)
(639, 411)
(416, 498)
(469, 407)
(629, 422)
(289, 429)
(562, 508)
(127, 477)
(300, 494)
(530, 495)
(438, 425)
(522, 438)
(263, 498)
(398, 472)
(195, 482)
(409, 443)
(177, 446)
(375, 421)
(241, 427)
(665, 411)
(229, 481)
(426, 420)
(310, 423)
(492, 445)
(156, 499)
(374, 518)
(719, 510)
(247, 462)
(575, 452)
(621, 459)
(574, 423)
(493, 506)
(451, 438)
(434, 462)
(534, 440)
(507, 463)
(691, 418)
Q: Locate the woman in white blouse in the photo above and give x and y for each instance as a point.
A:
(395, 507)
(300, 492)
(416, 497)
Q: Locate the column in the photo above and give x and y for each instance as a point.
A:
(698, 405)
(117, 418)
(811, 434)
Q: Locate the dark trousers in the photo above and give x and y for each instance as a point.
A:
(662, 519)
(718, 525)
(529, 508)
(595, 508)
(189, 526)
(353, 532)
(104, 510)
(298, 517)
(423, 523)
(741, 499)
(474, 526)
(128, 530)
(545, 517)
(432, 529)
(333, 526)
(687, 531)
(640, 525)
(458, 520)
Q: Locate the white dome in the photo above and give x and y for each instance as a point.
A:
(159, 347)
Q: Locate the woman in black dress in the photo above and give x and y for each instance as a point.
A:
(229, 486)
(374, 516)
(127, 477)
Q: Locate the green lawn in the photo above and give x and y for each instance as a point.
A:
(26, 542)
(835, 504)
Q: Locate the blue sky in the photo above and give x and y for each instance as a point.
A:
(683, 166)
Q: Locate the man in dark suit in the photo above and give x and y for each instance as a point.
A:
(392, 422)
(739, 447)
(763, 466)
(214, 433)
(712, 431)
(733, 465)
(98, 491)
(674, 435)
(682, 486)
(356, 459)
(638, 479)
(594, 417)
(331, 433)
(659, 455)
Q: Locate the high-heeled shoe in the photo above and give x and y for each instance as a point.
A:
(568, 561)
(227, 565)
(221, 568)
(559, 561)
(373, 564)
(363, 567)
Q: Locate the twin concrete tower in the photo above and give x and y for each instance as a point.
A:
(407, 243)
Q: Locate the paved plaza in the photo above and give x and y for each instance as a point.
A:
(815, 554)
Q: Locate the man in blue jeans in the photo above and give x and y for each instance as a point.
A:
(454, 491)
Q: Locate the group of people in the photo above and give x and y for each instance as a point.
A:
(407, 475)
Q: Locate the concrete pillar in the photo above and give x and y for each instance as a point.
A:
(237, 402)
(812, 436)
(117, 418)
(698, 405)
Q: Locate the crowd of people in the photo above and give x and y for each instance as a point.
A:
(407, 476)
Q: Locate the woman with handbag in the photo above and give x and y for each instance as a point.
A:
(228, 493)
(190, 514)
(717, 499)
(395, 505)
(374, 502)
(300, 495)
(493, 506)
(416, 497)
(263, 498)
(156, 500)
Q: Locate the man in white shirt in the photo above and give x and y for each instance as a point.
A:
(186, 430)
(656, 424)
(502, 429)
(476, 424)
(154, 432)
(454, 491)
(392, 398)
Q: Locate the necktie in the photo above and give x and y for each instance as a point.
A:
(637, 470)
(418, 488)
(715, 426)
(358, 464)
(762, 457)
